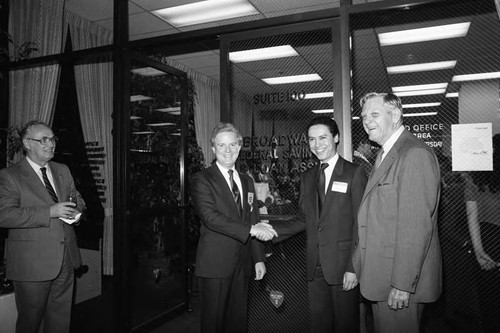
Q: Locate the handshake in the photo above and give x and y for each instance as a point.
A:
(263, 231)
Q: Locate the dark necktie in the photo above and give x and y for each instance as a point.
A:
(378, 160)
(48, 185)
(321, 185)
(236, 192)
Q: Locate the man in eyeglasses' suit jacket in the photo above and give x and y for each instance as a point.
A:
(41, 248)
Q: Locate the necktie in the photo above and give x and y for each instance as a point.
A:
(236, 192)
(321, 184)
(48, 185)
(378, 160)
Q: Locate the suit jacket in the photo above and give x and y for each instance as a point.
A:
(224, 235)
(398, 240)
(35, 245)
(330, 235)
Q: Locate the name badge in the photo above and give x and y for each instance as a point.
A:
(339, 187)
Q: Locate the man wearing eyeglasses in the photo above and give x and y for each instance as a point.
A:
(41, 248)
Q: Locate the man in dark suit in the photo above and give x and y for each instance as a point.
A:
(398, 258)
(226, 203)
(41, 248)
(329, 204)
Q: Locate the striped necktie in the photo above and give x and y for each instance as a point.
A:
(48, 185)
(236, 192)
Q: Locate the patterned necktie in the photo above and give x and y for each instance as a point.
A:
(378, 160)
(236, 192)
(48, 185)
(321, 185)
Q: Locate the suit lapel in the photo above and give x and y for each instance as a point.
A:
(336, 173)
(387, 162)
(215, 172)
(33, 181)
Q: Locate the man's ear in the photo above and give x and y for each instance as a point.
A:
(25, 144)
(397, 114)
(336, 138)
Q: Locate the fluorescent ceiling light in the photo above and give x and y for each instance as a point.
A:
(323, 111)
(420, 87)
(453, 94)
(421, 105)
(356, 118)
(292, 79)
(427, 66)
(176, 134)
(141, 150)
(173, 110)
(143, 132)
(274, 52)
(420, 92)
(327, 94)
(138, 98)
(161, 124)
(478, 76)
(424, 34)
(420, 114)
(205, 11)
(135, 117)
(148, 71)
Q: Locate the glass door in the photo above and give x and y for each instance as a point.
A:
(156, 193)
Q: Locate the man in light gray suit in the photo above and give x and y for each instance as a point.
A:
(41, 248)
(397, 256)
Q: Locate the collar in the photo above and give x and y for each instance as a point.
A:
(36, 166)
(392, 140)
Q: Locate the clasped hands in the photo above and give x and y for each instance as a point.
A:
(263, 231)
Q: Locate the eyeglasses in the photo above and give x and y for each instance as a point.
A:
(45, 140)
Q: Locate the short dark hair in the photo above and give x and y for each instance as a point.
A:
(226, 127)
(327, 121)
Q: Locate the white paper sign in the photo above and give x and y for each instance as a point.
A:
(472, 147)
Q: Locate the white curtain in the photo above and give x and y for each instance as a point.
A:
(32, 91)
(94, 86)
(497, 3)
(206, 106)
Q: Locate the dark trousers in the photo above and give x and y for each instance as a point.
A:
(387, 320)
(49, 301)
(332, 309)
(224, 303)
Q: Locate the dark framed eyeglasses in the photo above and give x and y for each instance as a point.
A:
(45, 140)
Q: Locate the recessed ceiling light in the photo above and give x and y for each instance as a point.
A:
(322, 111)
(147, 71)
(420, 92)
(420, 87)
(424, 34)
(474, 77)
(420, 114)
(428, 66)
(143, 132)
(292, 79)
(138, 98)
(161, 124)
(453, 94)
(421, 105)
(327, 94)
(274, 52)
(205, 11)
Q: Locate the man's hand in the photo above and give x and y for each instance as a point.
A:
(260, 270)
(263, 231)
(350, 281)
(66, 210)
(398, 299)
